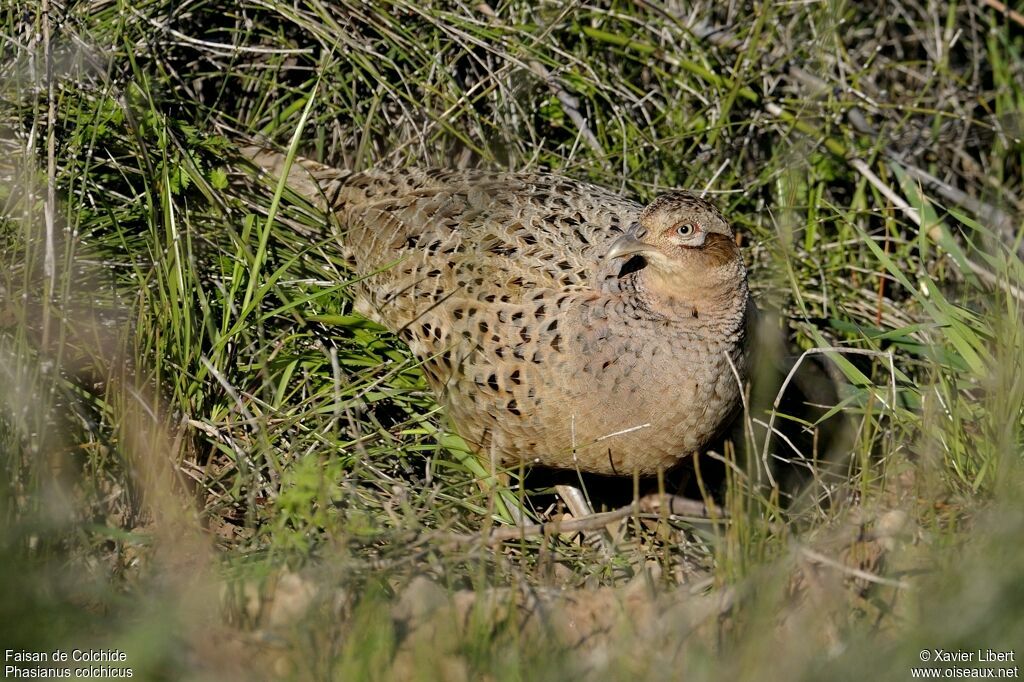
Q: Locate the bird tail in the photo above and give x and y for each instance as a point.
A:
(309, 179)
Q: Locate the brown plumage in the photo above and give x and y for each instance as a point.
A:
(558, 322)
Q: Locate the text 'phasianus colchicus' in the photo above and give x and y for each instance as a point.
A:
(559, 323)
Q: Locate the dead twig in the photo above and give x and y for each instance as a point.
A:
(1010, 14)
(934, 231)
(650, 506)
(819, 558)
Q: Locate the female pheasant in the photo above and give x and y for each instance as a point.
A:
(559, 323)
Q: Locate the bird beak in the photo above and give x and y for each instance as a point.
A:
(628, 245)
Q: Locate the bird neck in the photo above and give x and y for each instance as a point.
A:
(716, 296)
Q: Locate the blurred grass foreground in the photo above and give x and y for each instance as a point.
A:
(213, 470)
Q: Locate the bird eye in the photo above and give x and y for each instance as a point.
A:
(686, 229)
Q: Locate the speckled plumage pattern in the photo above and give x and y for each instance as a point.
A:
(542, 348)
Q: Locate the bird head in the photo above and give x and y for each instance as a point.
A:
(678, 228)
(688, 251)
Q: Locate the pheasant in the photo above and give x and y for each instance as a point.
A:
(559, 323)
